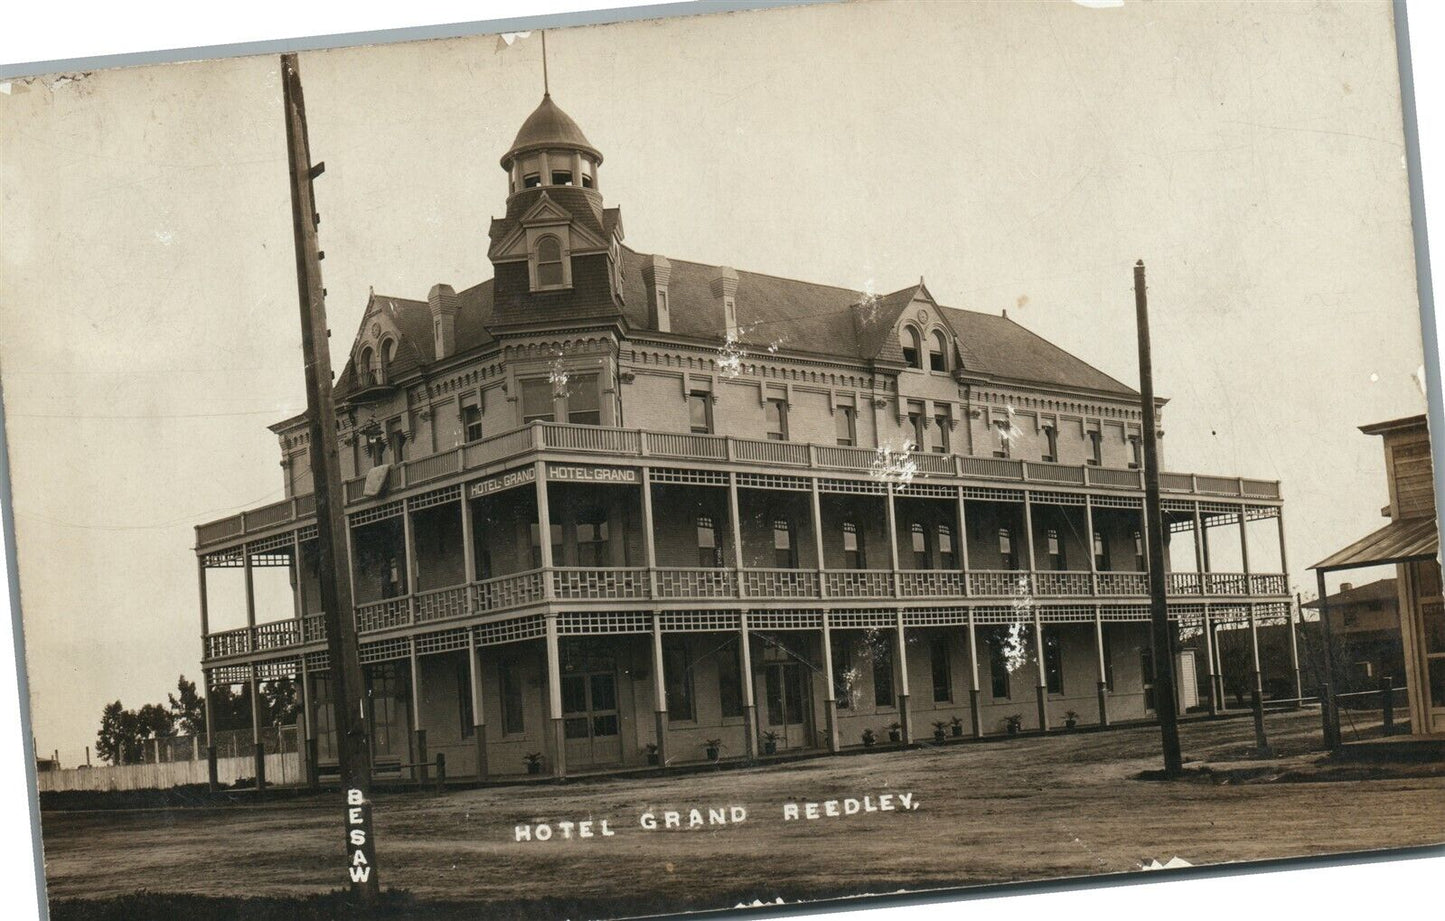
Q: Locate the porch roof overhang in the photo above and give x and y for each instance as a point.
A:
(1405, 540)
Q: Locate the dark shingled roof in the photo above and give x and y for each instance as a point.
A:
(1379, 590)
(793, 316)
(548, 126)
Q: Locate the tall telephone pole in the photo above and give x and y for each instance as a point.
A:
(333, 561)
(1163, 649)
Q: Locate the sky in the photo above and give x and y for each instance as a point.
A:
(1017, 156)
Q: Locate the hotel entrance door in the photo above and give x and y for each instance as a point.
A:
(787, 707)
(589, 711)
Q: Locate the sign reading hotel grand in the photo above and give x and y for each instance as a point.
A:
(501, 481)
(591, 473)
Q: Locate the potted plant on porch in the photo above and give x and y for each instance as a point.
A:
(1014, 722)
(895, 732)
(1071, 719)
(956, 725)
(534, 762)
(651, 749)
(770, 742)
(714, 748)
(869, 738)
(940, 730)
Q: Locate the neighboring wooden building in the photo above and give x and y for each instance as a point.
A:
(1365, 627)
(609, 500)
(1411, 543)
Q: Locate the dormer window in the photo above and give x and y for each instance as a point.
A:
(388, 354)
(550, 268)
(912, 348)
(561, 177)
(365, 369)
(937, 352)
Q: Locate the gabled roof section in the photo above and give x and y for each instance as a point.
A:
(416, 348)
(582, 205)
(997, 347)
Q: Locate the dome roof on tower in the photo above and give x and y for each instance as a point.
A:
(547, 127)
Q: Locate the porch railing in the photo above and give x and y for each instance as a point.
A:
(571, 584)
(600, 442)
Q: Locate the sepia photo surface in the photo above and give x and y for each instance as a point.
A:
(790, 542)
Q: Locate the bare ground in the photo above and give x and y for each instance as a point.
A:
(1023, 809)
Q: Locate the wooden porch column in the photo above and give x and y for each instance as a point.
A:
(408, 566)
(659, 689)
(206, 675)
(1256, 679)
(750, 706)
(479, 715)
(1209, 638)
(1103, 666)
(1043, 686)
(544, 540)
(963, 540)
(974, 704)
(418, 771)
(304, 744)
(649, 545)
(260, 748)
(904, 716)
(469, 547)
(735, 529)
(830, 695)
(1294, 609)
(554, 692)
(298, 596)
(1089, 541)
(818, 542)
(893, 549)
(1218, 668)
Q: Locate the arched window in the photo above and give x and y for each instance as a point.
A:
(549, 263)
(912, 347)
(388, 353)
(365, 367)
(937, 351)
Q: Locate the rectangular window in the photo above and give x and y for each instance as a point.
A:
(708, 554)
(845, 420)
(946, 559)
(842, 671)
(938, 437)
(784, 553)
(915, 423)
(677, 667)
(537, 403)
(1136, 457)
(1096, 449)
(1056, 550)
(464, 698)
(919, 535)
(1006, 548)
(942, 675)
(511, 698)
(998, 667)
(1139, 551)
(1001, 429)
(729, 678)
(1053, 663)
(583, 401)
(592, 541)
(1101, 553)
(556, 530)
(396, 440)
(853, 557)
(561, 177)
(1051, 444)
(777, 417)
(699, 411)
(883, 674)
(471, 422)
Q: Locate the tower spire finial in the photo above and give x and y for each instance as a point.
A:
(546, 91)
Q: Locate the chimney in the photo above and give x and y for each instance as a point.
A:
(444, 308)
(725, 289)
(1346, 586)
(655, 274)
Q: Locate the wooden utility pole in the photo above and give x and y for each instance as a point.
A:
(333, 563)
(1164, 697)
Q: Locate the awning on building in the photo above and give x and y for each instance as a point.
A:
(1402, 541)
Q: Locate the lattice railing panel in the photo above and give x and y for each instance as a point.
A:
(313, 628)
(602, 622)
(862, 620)
(271, 544)
(506, 592)
(1184, 583)
(278, 668)
(920, 490)
(1057, 498)
(852, 487)
(1124, 613)
(318, 661)
(924, 583)
(442, 603)
(1066, 614)
(936, 617)
(277, 635)
(772, 481)
(995, 582)
(780, 583)
(224, 559)
(382, 615)
(1054, 583)
(609, 584)
(385, 650)
(1117, 501)
(1267, 584)
(988, 494)
(1226, 583)
(227, 675)
(1123, 583)
(860, 583)
(228, 643)
(442, 641)
(511, 631)
(696, 583)
(388, 510)
(689, 477)
(785, 620)
(434, 498)
(700, 621)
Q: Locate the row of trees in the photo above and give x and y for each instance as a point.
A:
(124, 733)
